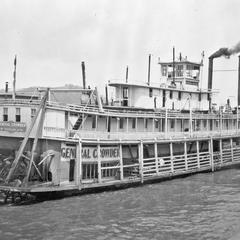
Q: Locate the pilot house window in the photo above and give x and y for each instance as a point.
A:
(18, 115)
(5, 114)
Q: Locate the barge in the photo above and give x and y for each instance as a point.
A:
(62, 142)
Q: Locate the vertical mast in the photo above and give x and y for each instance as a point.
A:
(149, 68)
(238, 103)
(14, 78)
(173, 65)
(127, 74)
(83, 75)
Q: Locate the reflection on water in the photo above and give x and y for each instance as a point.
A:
(203, 206)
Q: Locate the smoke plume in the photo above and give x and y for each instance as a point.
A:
(226, 52)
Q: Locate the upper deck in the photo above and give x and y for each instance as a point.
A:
(69, 121)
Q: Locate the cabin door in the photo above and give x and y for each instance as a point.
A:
(67, 163)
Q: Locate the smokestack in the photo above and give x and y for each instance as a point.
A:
(238, 80)
(173, 65)
(210, 72)
(127, 75)
(6, 87)
(149, 67)
(210, 76)
(106, 92)
(14, 78)
(83, 75)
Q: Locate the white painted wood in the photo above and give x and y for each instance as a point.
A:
(198, 160)
(121, 160)
(156, 156)
(185, 155)
(99, 162)
(171, 157)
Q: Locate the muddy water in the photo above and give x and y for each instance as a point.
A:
(203, 206)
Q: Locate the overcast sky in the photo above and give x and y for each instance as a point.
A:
(51, 38)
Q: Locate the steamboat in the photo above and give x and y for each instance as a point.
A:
(60, 142)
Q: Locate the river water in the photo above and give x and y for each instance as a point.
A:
(202, 206)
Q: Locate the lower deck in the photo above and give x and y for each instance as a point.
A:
(86, 165)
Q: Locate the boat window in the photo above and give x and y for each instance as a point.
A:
(179, 72)
(170, 94)
(191, 147)
(18, 115)
(178, 148)
(133, 122)
(150, 92)
(172, 123)
(199, 97)
(5, 114)
(33, 112)
(94, 121)
(125, 92)
(146, 123)
(121, 123)
(164, 70)
(179, 95)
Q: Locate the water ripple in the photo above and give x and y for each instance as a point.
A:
(203, 206)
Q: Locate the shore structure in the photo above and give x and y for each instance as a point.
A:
(67, 141)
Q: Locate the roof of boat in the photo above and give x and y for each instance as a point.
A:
(118, 84)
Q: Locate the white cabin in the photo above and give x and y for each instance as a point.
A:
(178, 89)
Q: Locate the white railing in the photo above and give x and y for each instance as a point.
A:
(84, 134)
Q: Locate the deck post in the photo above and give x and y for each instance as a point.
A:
(231, 145)
(171, 157)
(99, 162)
(166, 122)
(198, 160)
(220, 148)
(96, 127)
(156, 155)
(185, 155)
(136, 127)
(127, 124)
(210, 145)
(140, 153)
(120, 160)
(79, 164)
